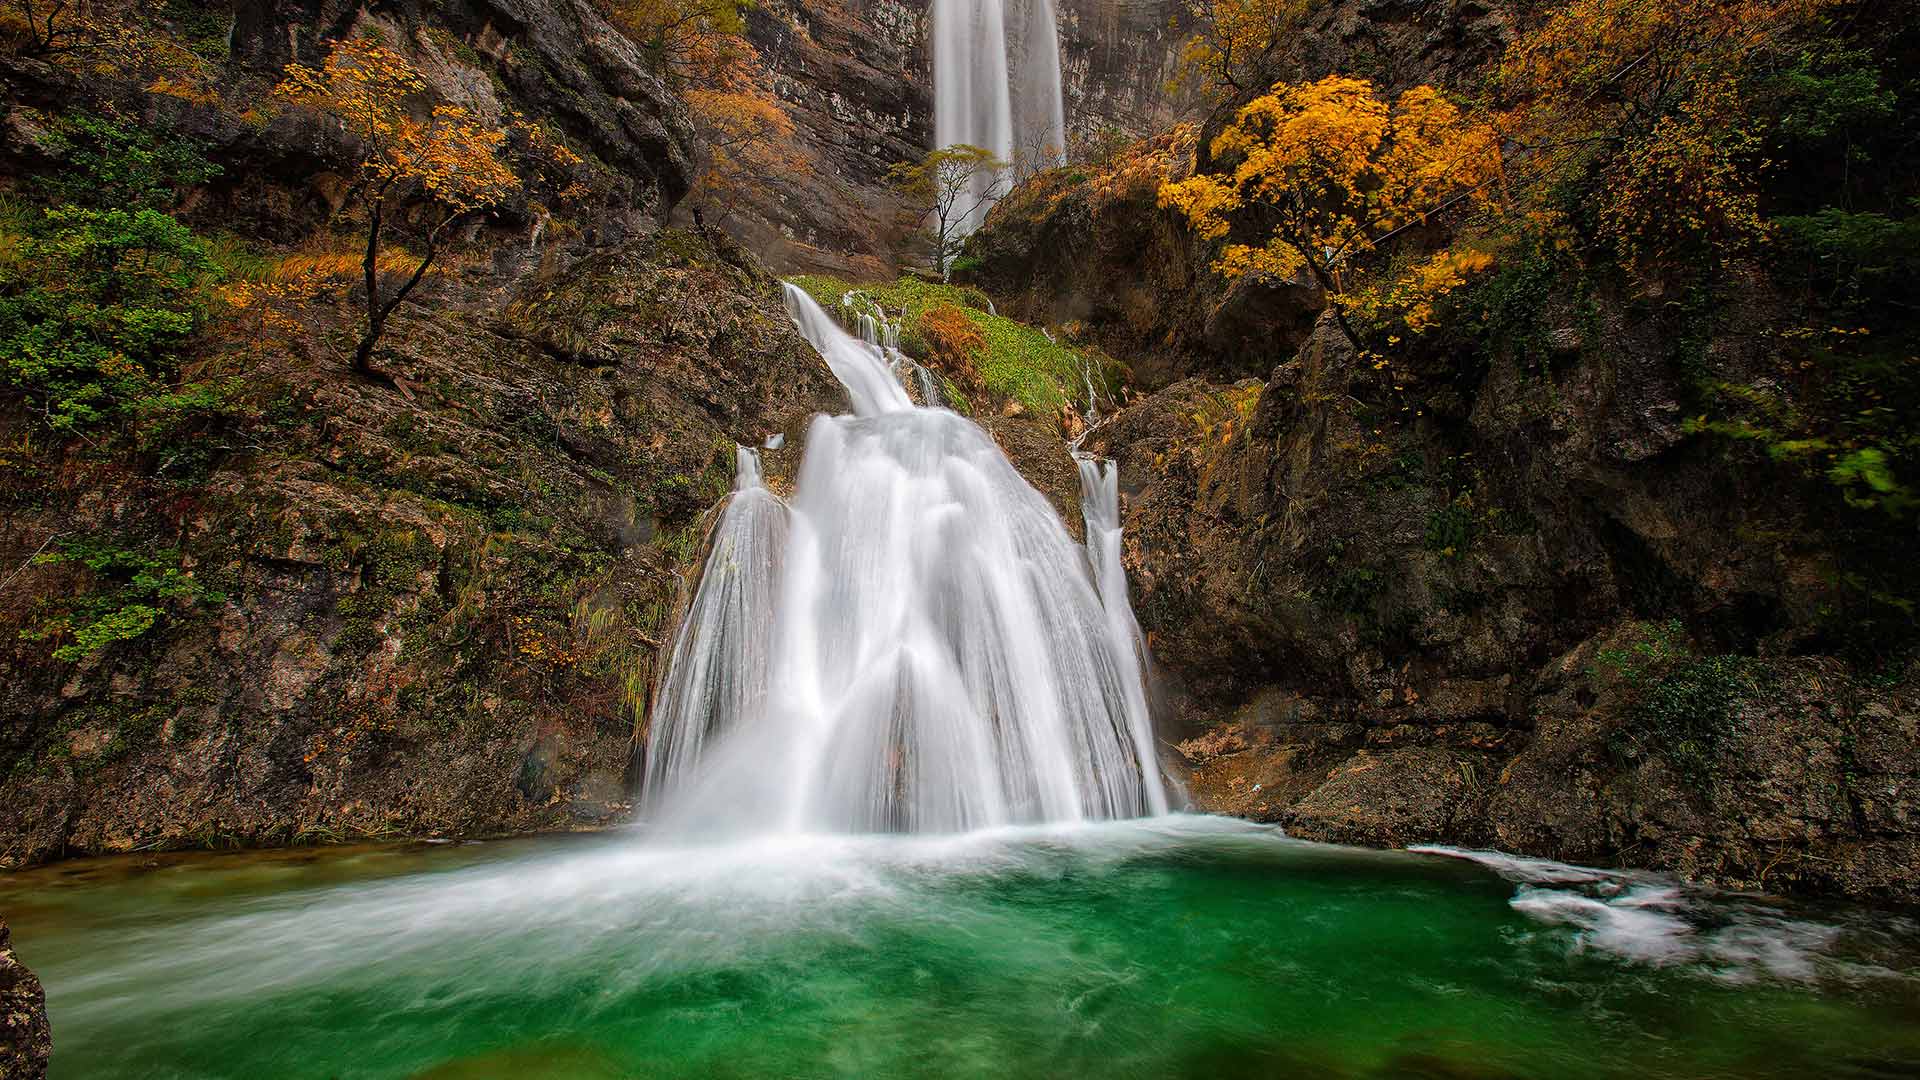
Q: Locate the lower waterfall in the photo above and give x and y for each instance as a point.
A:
(912, 643)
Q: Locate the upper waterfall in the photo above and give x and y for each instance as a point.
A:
(912, 642)
(997, 90)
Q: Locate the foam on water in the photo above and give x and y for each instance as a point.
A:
(1652, 919)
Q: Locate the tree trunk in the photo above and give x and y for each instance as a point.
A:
(376, 318)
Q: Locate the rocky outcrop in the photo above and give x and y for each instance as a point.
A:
(1480, 605)
(427, 608)
(25, 1039)
(558, 60)
(1132, 273)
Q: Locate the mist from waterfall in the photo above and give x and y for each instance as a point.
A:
(912, 643)
(997, 90)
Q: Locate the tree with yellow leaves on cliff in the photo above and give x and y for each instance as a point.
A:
(1234, 42)
(1645, 108)
(1320, 172)
(949, 189)
(449, 159)
(699, 47)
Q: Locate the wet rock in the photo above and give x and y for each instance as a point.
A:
(26, 1041)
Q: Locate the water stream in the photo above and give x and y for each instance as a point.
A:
(911, 643)
(997, 87)
(1169, 947)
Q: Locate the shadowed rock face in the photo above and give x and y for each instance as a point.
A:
(1545, 664)
(443, 601)
(25, 1039)
(558, 60)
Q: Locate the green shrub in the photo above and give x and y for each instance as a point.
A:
(96, 309)
(1017, 361)
(1450, 529)
(130, 591)
(111, 166)
(1680, 708)
(1687, 716)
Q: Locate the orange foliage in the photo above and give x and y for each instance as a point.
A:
(1142, 168)
(451, 159)
(697, 43)
(120, 40)
(1411, 296)
(1234, 42)
(1645, 98)
(953, 340)
(452, 156)
(700, 48)
(747, 133)
(1333, 168)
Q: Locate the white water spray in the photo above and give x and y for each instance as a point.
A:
(939, 655)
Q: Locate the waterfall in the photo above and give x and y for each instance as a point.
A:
(997, 92)
(913, 643)
(718, 671)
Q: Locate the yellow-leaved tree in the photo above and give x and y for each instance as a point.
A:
(1318, 173)
(1233, 43)
(1640, 106)
(448, 158)
(700, 48)
(950, 190)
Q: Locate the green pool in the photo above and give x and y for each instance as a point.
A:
(1176, 947)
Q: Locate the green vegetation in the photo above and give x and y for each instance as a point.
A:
(96, 310)
(1682, 707)
(109, 165)
(103, 293)
(1015, 361)
(130, 593)
(1450, 528)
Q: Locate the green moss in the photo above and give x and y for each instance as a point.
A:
(1018, 362)
(1687, 715)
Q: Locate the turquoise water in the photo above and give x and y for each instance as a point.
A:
(1178, 947)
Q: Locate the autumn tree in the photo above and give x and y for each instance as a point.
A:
(44, 28)
(746, 135)
(1642, 111)
(1234, 43)
(689, 43)
(953, 187)
(699, 47)
(1321, 172)
(450, 159)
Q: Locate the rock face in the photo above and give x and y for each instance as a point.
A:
(25, 1039)
(1472, 601)
(1485, 587)
(440, 606)
(1130, 271)
(557, 60)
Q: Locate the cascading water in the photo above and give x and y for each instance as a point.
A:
(997, 92)
(884, 334)
(937, 653)
(718, 672)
